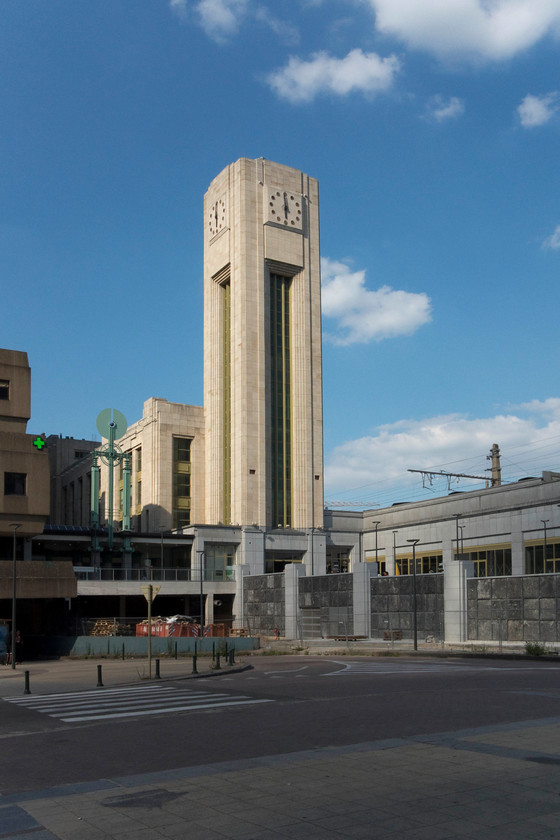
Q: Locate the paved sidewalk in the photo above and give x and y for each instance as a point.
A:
(490, 783)
(81, 674)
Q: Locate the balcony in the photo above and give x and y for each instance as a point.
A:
(119, 581)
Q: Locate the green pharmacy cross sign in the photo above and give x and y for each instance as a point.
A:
(39, 443)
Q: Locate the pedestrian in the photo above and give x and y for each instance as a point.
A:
(19, 648)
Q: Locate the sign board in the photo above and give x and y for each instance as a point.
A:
(149, 590)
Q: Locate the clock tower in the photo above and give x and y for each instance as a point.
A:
(262, 348)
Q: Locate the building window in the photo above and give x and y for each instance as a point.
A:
(4, 389)
(491, 561)
(541, 559)
(281, 392)
(425, 564)
(138, 467)
(226, 401)
(15, 484)
(219, 561)
(181, 482)
(338, 562)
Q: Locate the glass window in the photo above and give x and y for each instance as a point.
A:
(541, 559)
(15, 484)
(4, 389)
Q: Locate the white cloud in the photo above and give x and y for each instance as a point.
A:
(286, 32)
(367, 73)
(528, 437)
(440, 109)
(363, 315)
(488, 29)
(220, 18)
(553, 241)
(538, 110)
(179, 7)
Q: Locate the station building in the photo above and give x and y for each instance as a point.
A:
(229, 495)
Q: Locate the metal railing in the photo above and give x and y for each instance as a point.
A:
(148, 575)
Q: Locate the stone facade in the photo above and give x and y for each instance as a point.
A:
(265, 604)
(392, 606)
(514, 609)
(261, 218)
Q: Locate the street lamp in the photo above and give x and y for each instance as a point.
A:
(395, 551)
(544, 521)
(457, 517)
(414, 602)
(376, 547)
(15, 526)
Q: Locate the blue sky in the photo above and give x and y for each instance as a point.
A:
(434, 131)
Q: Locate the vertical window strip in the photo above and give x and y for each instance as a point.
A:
(281, 400)
(226, 402)
(181, 499)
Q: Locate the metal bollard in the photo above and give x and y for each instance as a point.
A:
(217, 665)
(123, 651)
(194, 671)
(231, 656)
(99, 676)
(157, 676)
(26, 689)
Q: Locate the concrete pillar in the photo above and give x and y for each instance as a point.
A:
(251, 550)
(209, 606)
(390, 558)
(241, 569)
(361, 577)
(455, 574)
(316, 554)
(517, 545)
(292, 573)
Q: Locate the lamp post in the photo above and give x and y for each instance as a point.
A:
(414, 602)
(15, 526)
(462, 528)
(161, 530)
(544, 521)
(376, 545)
(395, 551)
(202, 558)
(457, 517)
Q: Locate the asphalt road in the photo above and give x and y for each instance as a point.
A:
(282, 705)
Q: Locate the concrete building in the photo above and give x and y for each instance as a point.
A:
(227, 499)
(24, 470)
(24, 506)
(262, 334)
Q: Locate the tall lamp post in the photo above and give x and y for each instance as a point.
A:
(376, 545)
(544, 521)
(15, 526)
(457, 517)
(414, 601)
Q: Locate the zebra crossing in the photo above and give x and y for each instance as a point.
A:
(125, 702)
(385, 668)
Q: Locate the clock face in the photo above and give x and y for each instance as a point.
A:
(217, 216)
(284, 208)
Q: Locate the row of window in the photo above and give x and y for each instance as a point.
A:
(488, 562)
